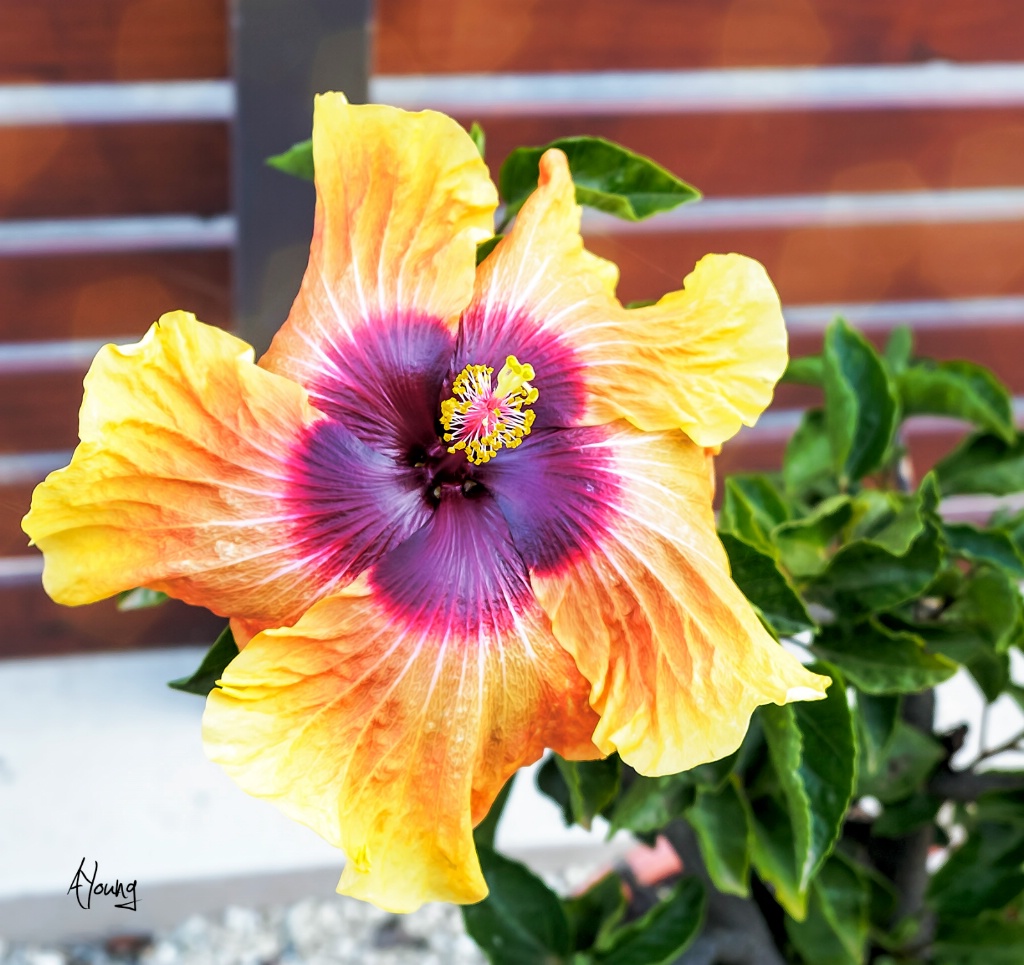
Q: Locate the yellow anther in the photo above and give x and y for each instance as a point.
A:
(481, 418)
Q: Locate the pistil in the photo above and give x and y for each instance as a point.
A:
(483, 416)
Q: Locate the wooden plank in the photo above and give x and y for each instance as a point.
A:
(131, 169)
(56, 41)
(14, 503)
(808, 152)
(35, 626)
(99, 296)
(834, 264)
(440, 36)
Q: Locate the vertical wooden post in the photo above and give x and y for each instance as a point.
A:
(285, 51)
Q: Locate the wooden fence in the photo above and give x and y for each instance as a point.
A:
(869, 154)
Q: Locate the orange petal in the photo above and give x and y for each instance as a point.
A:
(389, 729)
(402, 201)
(704, 359)
(194, 477)
(677, 658)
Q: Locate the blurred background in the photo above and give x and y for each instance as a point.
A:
(869, 154)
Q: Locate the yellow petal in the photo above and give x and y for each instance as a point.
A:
(677, 658)
(403, 199)
(390, 733)
(704, 359)
(192, 477)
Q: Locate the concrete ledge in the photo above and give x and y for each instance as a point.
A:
(100, 760)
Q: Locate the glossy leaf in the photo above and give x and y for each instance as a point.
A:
(983, 463)
(592, 786)
(649, 803)
(751, 508)
(959, 390)
(766, 586)
(898, 349)
(807, 544)
(661, 935)
(223, 651)
(595, 912)
(551, 782)
(141, 598)
(906, 764)
(813, 750)
(861, 403)
(987, 940)
(865, 576)
(607, 176)
(876, 724)
(984, 874)
(773, 853)
(297, 160)
(521, 919)
(476, 134)
(835, 931)
(984, 546)
(808, 370)
(905, 817)
(807, 464)
(486, 247)
(882, 661)
(484, 832)
(723, 826)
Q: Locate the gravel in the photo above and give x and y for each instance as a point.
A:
(315, 931)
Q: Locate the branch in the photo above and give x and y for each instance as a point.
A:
(966, 786)
(734, 931)
(1013, 744)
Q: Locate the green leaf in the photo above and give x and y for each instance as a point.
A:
(223, 651)
(297, 160)
(984, 546)
(890, 520)
(141, 598)
(983, 463)
(908, 761)
(806, 545)
(486, 247)
(861, 403)
(592, 786)
(905, 817)
(722, 822)
(751, 508)
(649, 803)
(521, 920)
(813, 750)
(987, 940)
(959, 390)
(898, 349)
(809, 370)
(476, 134)
(596, 912)
(876, 724)
(607, 176)
(484, 832)
(865, 575)
(882, 661)
(984, 874)
(661, 935)
(807, 463)
(551, 783)
(835, 931)
(773, 854)
(757, 574)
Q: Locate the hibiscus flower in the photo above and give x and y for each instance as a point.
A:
(456, 515)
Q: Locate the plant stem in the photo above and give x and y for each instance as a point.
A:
(1013, 744)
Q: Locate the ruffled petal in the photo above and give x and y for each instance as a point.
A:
(403, 200)
(206, 477)
(389, 717)
(617, 528)
(704, 359)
